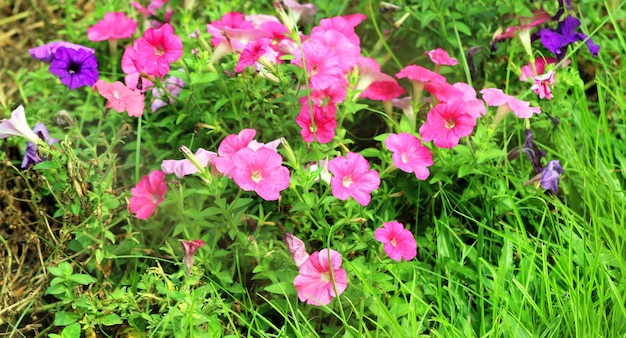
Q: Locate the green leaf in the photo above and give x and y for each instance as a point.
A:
(461, 27)
(64, 269)
(64, 318)
(82, 279)
(56, 289)
(72, 331)
(111, 319)
(282, 288)
(45, 165)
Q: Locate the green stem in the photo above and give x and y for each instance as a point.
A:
(138, 149)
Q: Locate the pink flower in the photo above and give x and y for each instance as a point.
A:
(121, 98)
(383, 90)
(440, 57)
(18, 126)
(157, 49)
(444, 92)
(306, 11)
(323, 125)
(352, 177)
(296, 248)
(330, 95)
(114, 26)
(409, 155)
(398, 242)
(133, 77)
(322, 64)
(182, 168)
(496, 97)
(543, 85)
(446, 123)
(147, 194)
(317, 280)
(229, 147)
(189, 250)
(261, 171)
(527, 71)
(419, 74)
(251, 53)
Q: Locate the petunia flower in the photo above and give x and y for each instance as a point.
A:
(398, 242)
(551, 176)
(182, 168)
(524, 29)
(409, 155)
(17, 126)
(440, 57)
(121, 98)
(296, 248)
(261, 171)
(305, 12)
(322, 127)
(530, 148)
(444, 92)
(543, 85)
(557, 40)
(157, 49)
(418, 76)
(189, 250)
(114, 26)
(506, 103)
(147, 194)
(45, 53)
(173, 86)
(528, 72)
(446, 123)
(317, 280)
(352, 177)
(251, 53)
(30, 155)
(229, 147)
(75, 68)
(322, 166)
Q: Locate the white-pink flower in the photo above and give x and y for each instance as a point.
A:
(317, 281)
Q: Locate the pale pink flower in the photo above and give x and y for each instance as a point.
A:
(343, 25)
(189, 250)
(147, 194)
(157, 49)
(261, 171)
(305, 12)
(18, 126)
(496, 97)
(543, 85)
(527, 71)
(182, 168)
(418, 74)
(409, 155)
(398, 242)
(440, 57)
(173, 86)
(322, 166)
(384, 89)
(446, 123)
(322, 127)
(114, 26)
(296, 248)
(133, 76)
(121, 98)
(317, 280)
(352, 177)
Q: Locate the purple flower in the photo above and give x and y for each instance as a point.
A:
(46, 52)
(551, 176)
(530, 148)
(557, 40)
(75, 68)
(30, 156)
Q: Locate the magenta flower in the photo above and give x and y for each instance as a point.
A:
(147, 194)
(261, 171)
(317, 280)
(322, 64)
(230, 145)
(296, 248)
(114, 26)
(182, 168)
(527, 71)
(543, 85)
(121, 98)
(75, 68)
(323, 125)
(157, 49)
(446, 123)
(251, 53)
(496, 97)
(189, 250)
(398, 242)
(418, 74)
(18, 126)
(444, 92)
(409, 155)
(46, 52)
(440, 57)
(352, 177)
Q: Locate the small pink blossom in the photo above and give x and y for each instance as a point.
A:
(385, 89)
(189, 250)
(322, 166)
(296, 248)
(114, 26)
(261, 171)
(418, 74)
(446, 123)
(121, 98)
(322, 127)
(157, 49)
(496, 97)
(147, 194)
(527, 71)
(444, 92)
(440, 57)
(322, 64)
(305, 12)
(398, 242)
(317, 280)
(251, 53)
(409, 155)
(18, 126)
(182, 168)
(133, 76)
(229, 147)
(543, 85)
(352, 177)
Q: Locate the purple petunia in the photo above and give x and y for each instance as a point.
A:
(30, 156)
(557, 40)
(45, 53)
(75, 68)
(551, 175)
(535, 154)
